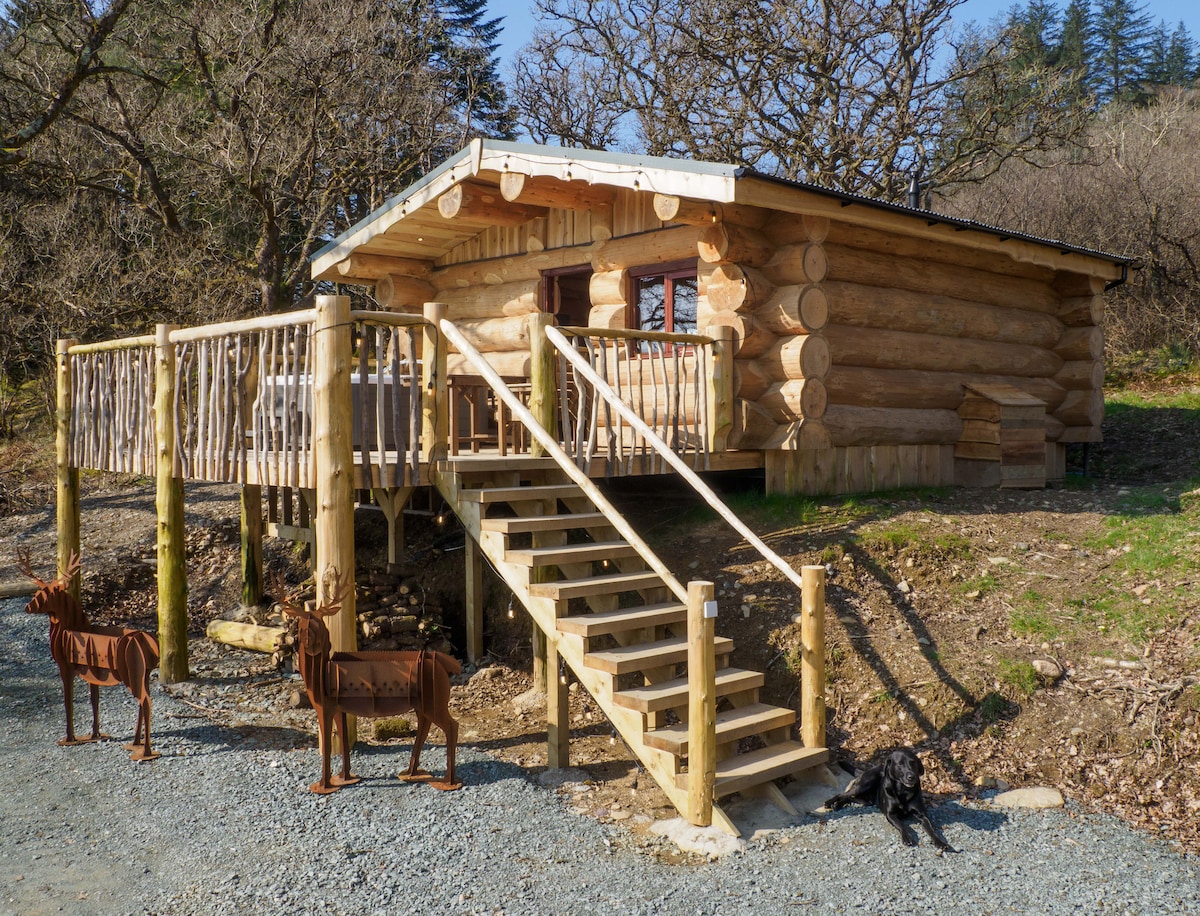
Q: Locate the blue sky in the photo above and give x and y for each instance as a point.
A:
(519, 22)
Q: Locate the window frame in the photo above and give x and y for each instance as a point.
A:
(687, 269)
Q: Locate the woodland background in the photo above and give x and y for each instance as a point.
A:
(180, 160)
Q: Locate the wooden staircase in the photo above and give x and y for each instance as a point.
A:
(619, 626)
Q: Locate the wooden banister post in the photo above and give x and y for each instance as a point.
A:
(172, 566)
(66, 474)
(812, 656)
(702, 703)
(720, 388)
(435, 405)
(543, 392)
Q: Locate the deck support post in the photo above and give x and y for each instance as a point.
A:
(435, 405)
(252, 545)
(720, 388)
(558, 710)
(334, 459)
(66, 474)
(172, 567)
(473, 598)
(392, 501)
(812, 656)
(702, 703)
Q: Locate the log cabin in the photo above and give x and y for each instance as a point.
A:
(546, 317)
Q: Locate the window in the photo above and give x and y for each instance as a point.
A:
(664, 298)
(565, 295)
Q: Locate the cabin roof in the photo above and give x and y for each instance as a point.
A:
(409, 225)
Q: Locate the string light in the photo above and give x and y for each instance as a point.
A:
(510, 607)
(562, 671)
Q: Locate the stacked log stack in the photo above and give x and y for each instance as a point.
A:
(772, 299)
(394, 612)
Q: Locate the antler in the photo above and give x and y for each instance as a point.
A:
(287, 599)
(24, 564)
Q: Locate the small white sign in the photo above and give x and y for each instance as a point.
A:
(710, 609)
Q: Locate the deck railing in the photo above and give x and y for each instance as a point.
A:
(112, 408)
(663, 378)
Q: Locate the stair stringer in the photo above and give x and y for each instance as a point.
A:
(662, 765)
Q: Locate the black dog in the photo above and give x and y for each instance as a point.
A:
(896, 788)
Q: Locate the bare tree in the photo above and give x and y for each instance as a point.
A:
(847, 94)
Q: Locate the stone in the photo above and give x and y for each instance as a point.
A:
(1031, 797)
(1047, 669)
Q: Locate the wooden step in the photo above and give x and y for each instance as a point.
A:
(673, 694)
(493, 495)
(732, 725)
(495, 464)
(623, 620)
(571, 553)
(771, 762)
(644, 656)
(607, 584)
(525, 524)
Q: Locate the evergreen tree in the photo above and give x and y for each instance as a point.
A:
(1181, 63)
(1123, 34)
(1077, 46)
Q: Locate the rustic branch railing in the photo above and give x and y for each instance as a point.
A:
(112, 405)
(661, 377)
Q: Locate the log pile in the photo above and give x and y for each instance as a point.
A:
(394, 612)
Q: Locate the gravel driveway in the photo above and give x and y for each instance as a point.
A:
(223, 822)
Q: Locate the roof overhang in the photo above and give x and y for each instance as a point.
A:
(410, 225)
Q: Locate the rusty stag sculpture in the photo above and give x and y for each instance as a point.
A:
(371, 684)
(100, 656)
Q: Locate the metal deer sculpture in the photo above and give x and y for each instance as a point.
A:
(371, 684)
(100, 656)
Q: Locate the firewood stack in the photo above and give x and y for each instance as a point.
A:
(394, 612)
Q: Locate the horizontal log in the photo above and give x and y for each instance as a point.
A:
(860, 305)
(795, 310)
(1081, 408)
(1081, 375)
(1081, 343)
(1069, 284)
(609, 316)
(510, 364)
(396, 292)
(472, 202)
(1054, 428)
(544, 191)
(924, 276)
(801, 356)
(609, 287)
(752, 426)
(875, 348)
(723, 242)
(750, 339)
(865, 387)
(496, 271)
(519, 297)
(374, 266)
(1082, 311)
(17, 589)
(1080, 434)
(891, 426)
(795, 399)
(246, 635)
(907, 246)
(736, 288)
(659, 246)
(672, 209)
(491, 335)
(805, 262)
(750, 379)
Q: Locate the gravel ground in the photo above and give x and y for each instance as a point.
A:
(223, 821)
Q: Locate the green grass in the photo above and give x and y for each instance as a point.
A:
(1031, 617)
(1019, 675)
(983, 584)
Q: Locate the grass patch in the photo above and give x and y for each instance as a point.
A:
(1031, 618)
(1020, 675)
(978, 585)
(992, 707)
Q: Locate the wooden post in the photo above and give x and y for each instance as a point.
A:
(812, 657)
(435, 405)
(702, 703)
(172, 568)
(558, 711)
(252, 545)
(473, 598)
(334, 457)
(720, 388)
(543, 393)
(66, 474)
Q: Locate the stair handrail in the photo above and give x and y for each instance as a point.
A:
(564, 347)
(554, 450)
